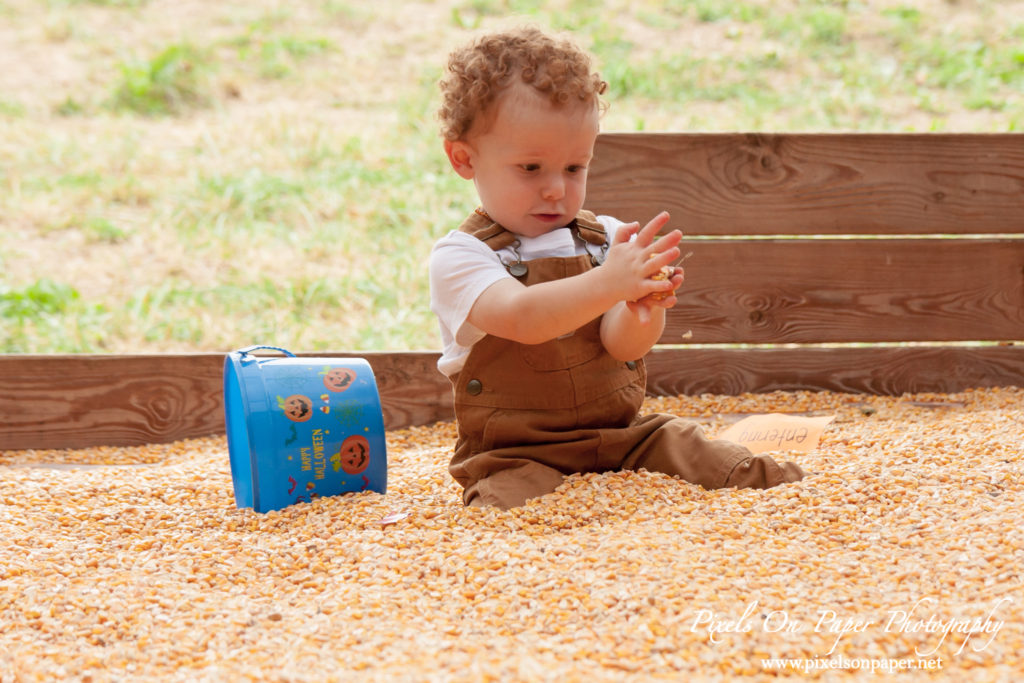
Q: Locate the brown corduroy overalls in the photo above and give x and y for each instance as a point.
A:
(530, 414)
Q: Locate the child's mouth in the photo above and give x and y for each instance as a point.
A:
(547, 217)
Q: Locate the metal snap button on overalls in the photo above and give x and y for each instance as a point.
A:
(474, 387)
(516, 268)
(631, 364)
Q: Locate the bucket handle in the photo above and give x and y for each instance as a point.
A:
(249, 349)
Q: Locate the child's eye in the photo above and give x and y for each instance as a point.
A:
(530, 168)
(576, 168)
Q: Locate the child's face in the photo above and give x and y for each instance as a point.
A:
(530, 164)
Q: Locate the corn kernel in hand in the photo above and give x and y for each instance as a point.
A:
(664, 274)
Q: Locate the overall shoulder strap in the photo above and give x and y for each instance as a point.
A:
(481, 226)
(590, 229)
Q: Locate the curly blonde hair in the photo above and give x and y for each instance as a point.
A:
(480, 72)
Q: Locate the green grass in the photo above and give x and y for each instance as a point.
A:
(222, 174)
(53, 310)
(276, 56)
(171, 82)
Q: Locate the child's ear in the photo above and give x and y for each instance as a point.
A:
(460, 158)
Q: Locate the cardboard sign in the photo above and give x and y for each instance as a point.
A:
(778, 432)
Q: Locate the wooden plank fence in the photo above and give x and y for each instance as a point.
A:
(872, 263)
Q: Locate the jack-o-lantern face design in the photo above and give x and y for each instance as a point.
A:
(297, 408)
(355, 454)
(338, 379)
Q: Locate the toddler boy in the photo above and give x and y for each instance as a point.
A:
(547, 310)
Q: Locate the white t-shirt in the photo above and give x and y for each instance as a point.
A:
(462, 267)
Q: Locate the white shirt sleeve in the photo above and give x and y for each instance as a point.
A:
(461, 268)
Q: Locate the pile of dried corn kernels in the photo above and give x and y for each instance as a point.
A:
(904, 551)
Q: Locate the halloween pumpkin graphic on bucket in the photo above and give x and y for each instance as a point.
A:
(297, 408)
(354, 455)
(338, 379)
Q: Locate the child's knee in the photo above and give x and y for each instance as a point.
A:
(513, 486)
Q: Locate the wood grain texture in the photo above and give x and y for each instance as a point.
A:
(79, 401)
(412, 390)
(82, 401)
(764, 184)
(870, 370)
(814, 291)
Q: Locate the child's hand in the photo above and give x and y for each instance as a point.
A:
(633, 263)
(642, 308)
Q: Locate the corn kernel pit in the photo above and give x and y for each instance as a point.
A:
(133, 563)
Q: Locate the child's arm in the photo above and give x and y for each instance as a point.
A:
(541, 312)
(631, 328)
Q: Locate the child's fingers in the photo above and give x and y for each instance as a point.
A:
(677, 277)
(640, 310)
(625, 233)
(656, 260)
(667, 301)
(665, 249)
(651, 230)
(665, 283)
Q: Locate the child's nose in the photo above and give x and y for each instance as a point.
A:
(554, 187)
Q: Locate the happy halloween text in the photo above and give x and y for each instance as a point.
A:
(315, 461)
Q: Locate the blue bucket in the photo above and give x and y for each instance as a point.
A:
(301, 428)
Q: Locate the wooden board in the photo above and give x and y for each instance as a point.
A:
(79, 401)
(870, 370)
(82, 401)
(763, 184)
(863, 290)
